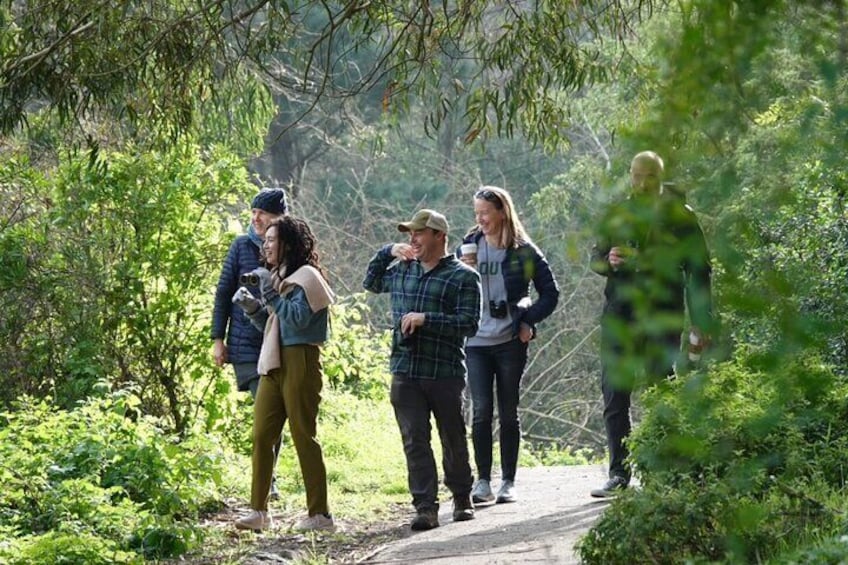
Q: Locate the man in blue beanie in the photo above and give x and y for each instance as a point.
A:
(236, 341)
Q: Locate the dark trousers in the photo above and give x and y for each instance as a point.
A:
(496, 367)
(413, 401)
(631, 357)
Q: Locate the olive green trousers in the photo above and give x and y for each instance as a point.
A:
(291, 393)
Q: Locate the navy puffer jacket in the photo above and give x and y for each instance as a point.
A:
(243, 340)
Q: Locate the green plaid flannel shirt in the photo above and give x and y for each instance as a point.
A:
(449, 297)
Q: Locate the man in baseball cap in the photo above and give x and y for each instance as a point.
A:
(428, 357)
(425, 219)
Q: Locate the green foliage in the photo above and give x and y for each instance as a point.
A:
(744, 421)
(700, 523)
(156, 65)
(117, 275)
(354, 359)
(151, 66)
(552, 455)
(72, 548)
(755, 133)
(746, 103)
(831, 551)
(103, 476)
(731, 462)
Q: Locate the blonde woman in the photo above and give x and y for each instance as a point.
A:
(508, 262)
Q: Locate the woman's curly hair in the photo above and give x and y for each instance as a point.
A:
(296, 244)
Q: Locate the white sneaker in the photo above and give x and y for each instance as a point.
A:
(506, 492)
(482, 491)
(256, 521)
(315, 523)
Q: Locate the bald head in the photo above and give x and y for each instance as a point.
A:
(646, 172)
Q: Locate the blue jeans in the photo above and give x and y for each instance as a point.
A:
(413, 401)
(502, 366)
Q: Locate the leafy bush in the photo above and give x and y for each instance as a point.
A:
(96, 475)
(832, 551)
(735, 465)
(70, 548)
(355, 359)
(111, 254)
(744, 416)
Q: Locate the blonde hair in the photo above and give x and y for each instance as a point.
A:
(512, 231)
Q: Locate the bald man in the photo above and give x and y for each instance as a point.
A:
(654, 256)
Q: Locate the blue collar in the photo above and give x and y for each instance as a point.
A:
(254, 237)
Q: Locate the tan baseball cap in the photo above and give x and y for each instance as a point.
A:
(425, 219)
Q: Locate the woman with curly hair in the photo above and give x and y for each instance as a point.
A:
(294, 316)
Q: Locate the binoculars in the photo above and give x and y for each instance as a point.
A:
(497, 309)
(249, 279)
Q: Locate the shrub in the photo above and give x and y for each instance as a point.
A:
(116, 483)
(68, 548)
(736, 464)
(742, 420)
(355, 359)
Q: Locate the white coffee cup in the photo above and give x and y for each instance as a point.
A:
(694, 347)
(469, 250)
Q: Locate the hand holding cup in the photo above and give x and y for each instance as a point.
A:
(619, 255)
(468, 254)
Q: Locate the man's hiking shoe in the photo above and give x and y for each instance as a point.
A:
(507, 492)
(482, 491)
(611, 489)
(463, 510)
(426, 519)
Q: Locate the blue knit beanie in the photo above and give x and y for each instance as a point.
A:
(272, 200)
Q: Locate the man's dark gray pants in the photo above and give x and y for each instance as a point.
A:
(654, 356)
(413, 401)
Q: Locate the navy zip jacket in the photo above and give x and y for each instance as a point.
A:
(525, 264)
(228, 320)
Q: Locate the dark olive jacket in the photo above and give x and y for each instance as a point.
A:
(669, 267)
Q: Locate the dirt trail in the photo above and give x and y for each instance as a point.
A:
(552, 512)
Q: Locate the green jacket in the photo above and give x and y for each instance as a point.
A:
(449, 297)
(669, 269)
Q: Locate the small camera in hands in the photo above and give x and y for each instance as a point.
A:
(497, 309)
(246, 301)
(249, 279)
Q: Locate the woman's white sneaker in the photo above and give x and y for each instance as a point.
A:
(506, 492)
(482, 491)
(256, 521)
(318, 522)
